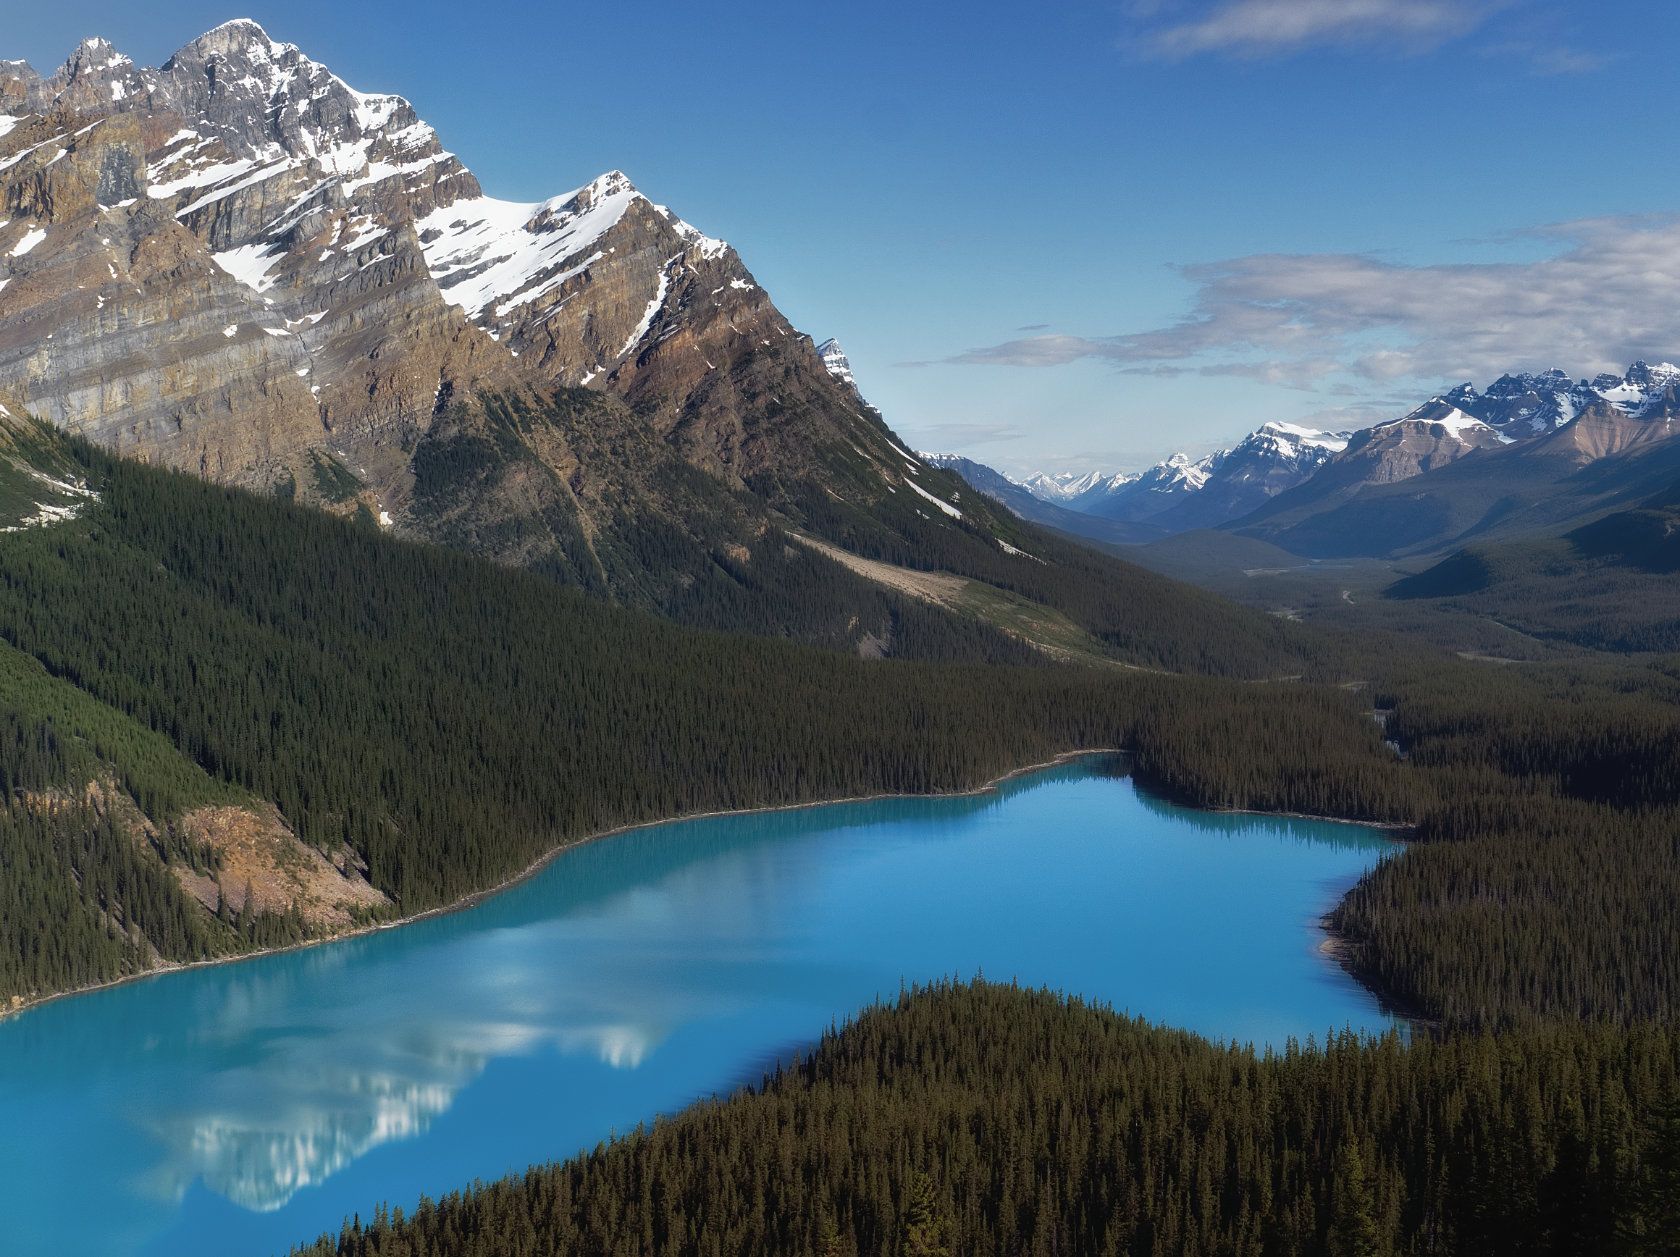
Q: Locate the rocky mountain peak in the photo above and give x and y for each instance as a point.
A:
(241, 42)
(247, 267)
(20, 85)
(94, 77)
(1642, 375)
(613, 183)
(93, 56)
(835, 361)
(1523, 402)
(608, 193)
(265, 99)
(235, 31)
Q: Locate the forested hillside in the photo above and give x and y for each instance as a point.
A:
(432, 724)
(989, 1120)
(1608, 585)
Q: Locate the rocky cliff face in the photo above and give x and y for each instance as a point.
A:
(237, 262)
(213, 264)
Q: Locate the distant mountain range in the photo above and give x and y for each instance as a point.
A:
(1034, 507)
(1532, 451)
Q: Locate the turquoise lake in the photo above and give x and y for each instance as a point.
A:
(238, 1109)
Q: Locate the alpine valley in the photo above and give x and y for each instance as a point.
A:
(455, 609)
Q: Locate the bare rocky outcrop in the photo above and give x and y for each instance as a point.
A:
(263, 867)
(259, 865)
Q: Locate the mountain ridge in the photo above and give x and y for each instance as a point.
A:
(1282, 475)
(238, 265)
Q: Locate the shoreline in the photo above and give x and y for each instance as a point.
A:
(1337, 948)
(477, 897)
(1400, 833)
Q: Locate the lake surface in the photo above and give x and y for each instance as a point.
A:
(240, 1108)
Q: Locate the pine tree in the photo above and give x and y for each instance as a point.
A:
(1652, 1228)
(926, 1230)
(1353, 1223)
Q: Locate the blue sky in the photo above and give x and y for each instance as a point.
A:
(1081, 234)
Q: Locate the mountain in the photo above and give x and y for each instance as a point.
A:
(1334, 494)
(1066, 485)
(239, 265)
(1525, 404)
(1282, 477)
(835, 361)
(1031, 506)
(1224, 486)
(1433, 435)
(1184, 493)
(322, 276)
(1440, 477)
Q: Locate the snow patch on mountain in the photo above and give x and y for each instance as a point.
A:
(835, 361)
(943, 505)
(1293, 436)
(1443, 414)
(27, 243)
(485, 252)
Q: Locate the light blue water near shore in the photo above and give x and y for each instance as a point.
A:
(241, 1108)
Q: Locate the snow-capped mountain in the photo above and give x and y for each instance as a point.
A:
(1581, 418)
(1548, 411)
(835, 360)
(1067, 486)
(319, 273)
(1184, 492)
(1524, 404)
(239, 264)
(1433, 474)
(1015, 496)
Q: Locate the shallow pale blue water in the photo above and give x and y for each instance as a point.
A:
(241, 1108)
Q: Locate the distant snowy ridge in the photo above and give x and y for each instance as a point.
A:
(1183, 492)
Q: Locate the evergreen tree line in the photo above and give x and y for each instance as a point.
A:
(452, 721)
(1543, 880)
(979, 1120)
(80, 900)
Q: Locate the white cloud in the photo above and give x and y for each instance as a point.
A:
(1257, 28)
(1603, 297)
